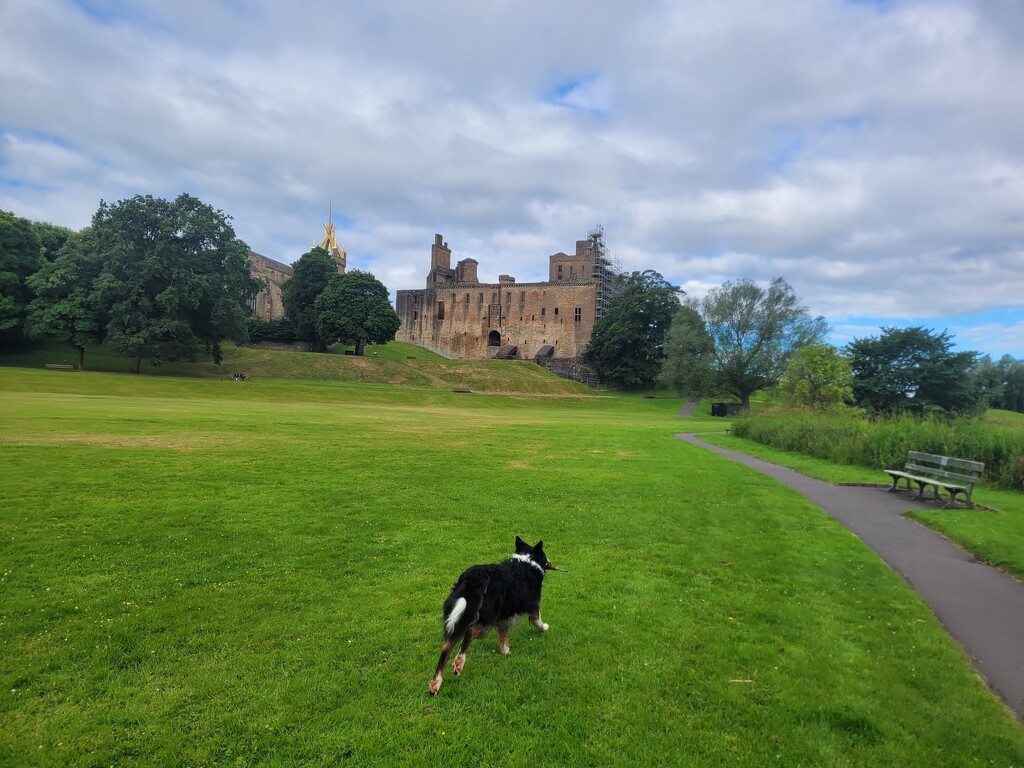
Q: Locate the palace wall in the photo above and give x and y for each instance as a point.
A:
(457, 316)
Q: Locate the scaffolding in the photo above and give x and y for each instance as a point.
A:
(606, 270)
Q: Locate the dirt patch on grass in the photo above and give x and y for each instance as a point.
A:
(181, 443)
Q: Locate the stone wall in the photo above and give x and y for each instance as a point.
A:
(267, 303)
(457, 316)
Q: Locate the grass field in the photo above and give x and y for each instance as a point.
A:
(205, 572)
(392, 364)
(993, 531)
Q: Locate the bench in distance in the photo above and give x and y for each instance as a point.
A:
(957, 476)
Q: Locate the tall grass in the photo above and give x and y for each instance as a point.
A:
(847, 437)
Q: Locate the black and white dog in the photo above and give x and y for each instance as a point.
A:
(487, 596)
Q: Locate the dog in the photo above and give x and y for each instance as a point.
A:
(488, 596)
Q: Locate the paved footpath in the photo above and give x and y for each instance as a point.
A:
(980, 606)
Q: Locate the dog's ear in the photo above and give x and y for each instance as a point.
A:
(539, 545)
(521, 546)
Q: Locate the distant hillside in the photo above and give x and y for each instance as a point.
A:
(396, 363)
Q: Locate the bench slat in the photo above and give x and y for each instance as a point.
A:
(938, 473)
(946, 461)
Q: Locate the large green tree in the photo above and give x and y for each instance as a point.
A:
(174, 277)
(818, 376)
(626, 343)
(738, 339)
(310, 275)
(354, 308)
(1001, 382)
(19, 258)
(51, 237)
(913, 370)
(65, 306)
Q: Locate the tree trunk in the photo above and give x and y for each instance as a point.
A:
(138, 365)
(745, 404)
(81, 358)
(360, 347)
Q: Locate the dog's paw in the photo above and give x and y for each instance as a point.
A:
(457, 665)
(543, 627)
(435, 686)
(505, 650)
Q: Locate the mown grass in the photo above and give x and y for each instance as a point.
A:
(393, 364)
(199, 572)
(993, 531)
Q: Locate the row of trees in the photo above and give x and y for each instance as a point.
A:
(323, 306)
(148, 276)
(743, 338)
(152, 277)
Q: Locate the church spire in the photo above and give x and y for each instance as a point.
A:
(330, 242)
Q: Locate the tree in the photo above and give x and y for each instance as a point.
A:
(310, 276)
(750, 334)
(689, 352)
(51, 237)
(912, 370)
(626, 343)
(174, 277)
(354, 308)
(65, 306)
(819, 377)
(19, 258)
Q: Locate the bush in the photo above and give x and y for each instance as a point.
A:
(271, 330)
(850, 437)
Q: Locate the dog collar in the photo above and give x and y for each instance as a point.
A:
(526, 559)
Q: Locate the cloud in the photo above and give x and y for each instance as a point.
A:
(871, 153)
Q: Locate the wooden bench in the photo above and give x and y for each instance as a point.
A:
(59, 367)
(957, 476)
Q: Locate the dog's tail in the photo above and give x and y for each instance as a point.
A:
(462, 607)
(452, 619)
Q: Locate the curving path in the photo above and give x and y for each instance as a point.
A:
(980, 606)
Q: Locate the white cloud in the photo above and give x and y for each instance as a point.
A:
(871, 154)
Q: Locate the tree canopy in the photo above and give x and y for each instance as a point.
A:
(174, 276)
(310, 275)
(626, 343)
(354, 308)
(738, 339)
(65, 306)
(913, 370)
(19, 258)
(817, 376)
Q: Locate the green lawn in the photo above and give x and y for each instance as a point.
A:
(205, 572)
(993, 531)
(393, 364)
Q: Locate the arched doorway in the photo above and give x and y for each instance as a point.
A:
(494, 339)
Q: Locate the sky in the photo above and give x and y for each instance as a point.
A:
(869, 152)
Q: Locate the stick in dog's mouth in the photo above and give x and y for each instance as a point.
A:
(553, 567)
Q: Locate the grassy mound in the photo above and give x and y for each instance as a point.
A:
(394, 364)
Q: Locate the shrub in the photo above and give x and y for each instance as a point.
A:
(850, 437)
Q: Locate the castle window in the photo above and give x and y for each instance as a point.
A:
(543, 310)
(579, 314)
(440, 310)
(522, 297)
(480, 300)
(508, 297)
(556, 311)
(467, 299)
(415, 315)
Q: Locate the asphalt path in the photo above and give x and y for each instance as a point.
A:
(980, 606)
